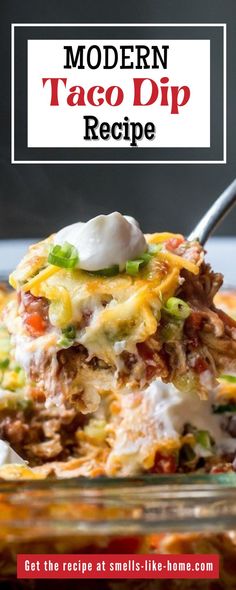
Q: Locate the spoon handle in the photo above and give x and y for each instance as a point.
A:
(214, 215)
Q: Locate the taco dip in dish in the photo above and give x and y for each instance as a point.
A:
(117, 379)
(102, 307)
(157, 430)
(113, 344)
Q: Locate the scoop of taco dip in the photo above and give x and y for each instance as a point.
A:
(101, 307)
(152, 427)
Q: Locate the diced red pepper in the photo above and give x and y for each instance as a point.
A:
(194, 321)
(173, 243)
(164, 464)
(222, 468)
(36, 325)
(201, 365)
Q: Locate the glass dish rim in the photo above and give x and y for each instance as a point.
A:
(210, 481)
(120, 506)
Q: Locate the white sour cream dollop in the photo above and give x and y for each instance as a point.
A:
(104, 241)
(162, 414)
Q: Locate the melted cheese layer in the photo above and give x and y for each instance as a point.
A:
(121, 308)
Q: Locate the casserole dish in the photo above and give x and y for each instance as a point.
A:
(150, 514)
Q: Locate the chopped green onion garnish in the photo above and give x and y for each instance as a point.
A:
(224, 408)
(65, 342)
(4, 364)
(132, 267)
(68, 336)
(154, 248)
(203, 439)
(69, 332)
(65, 256)
(111, 271)
(17, 369)
(229, 378)
(178, 308)
(146, 257)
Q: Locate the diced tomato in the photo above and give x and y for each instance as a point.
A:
(194, 321)
(174, 243)
(164, 464)
(147, 354)
(36, 325)
(34, 314)
(145, 351)
(155, 364)
(201, 365)
(222, 468)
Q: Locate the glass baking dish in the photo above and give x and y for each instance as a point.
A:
(170, 514)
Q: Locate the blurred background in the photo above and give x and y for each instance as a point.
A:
(35, 200)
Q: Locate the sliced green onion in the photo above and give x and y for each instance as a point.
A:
(132, 267)
(178, 308)
(146, 257)
(65, 256)
(4, 364)
(186, 382)
(111, 271)
(17, 369)
(68, 336)
(224, 408)
(229, 378)
(65, 342)
(69, 332)
(154, 248)
(203, 438)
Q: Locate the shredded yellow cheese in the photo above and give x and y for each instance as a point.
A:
(123, 308)
(157, 238)
(33, 283)
(13, 281)
(15, 472)
(178, 262)
(168, 285)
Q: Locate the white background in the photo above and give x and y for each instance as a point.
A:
(63, 126)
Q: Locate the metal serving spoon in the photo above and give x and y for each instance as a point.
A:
(210, 220)
(214, 215)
